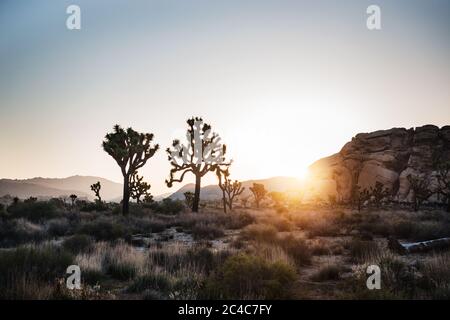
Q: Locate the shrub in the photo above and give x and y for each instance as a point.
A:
(103, 229)
(21, 231)
(239, 220)
(167, 206)
(259, 232)
(362, 251)
(58, 227)
(206, 231)
(159, 282)
(249, 277)
(34, 211)
(296, 248)
(25, 269)
(326, 273)
(78, 243)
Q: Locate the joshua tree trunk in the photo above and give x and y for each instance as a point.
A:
(126, 195)
(224, 200)
(196, 193)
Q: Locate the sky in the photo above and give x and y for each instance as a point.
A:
(283, 82)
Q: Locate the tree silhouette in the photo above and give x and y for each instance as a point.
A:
(96, 188)
(443, 183)
(202, 154)
(131, 150)
(378, 193)
(230, 189)
(259, 192)
(421, 191)
(358, 196)
(139, 188)
(73, 197)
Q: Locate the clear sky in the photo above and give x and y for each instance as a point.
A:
(283, 82)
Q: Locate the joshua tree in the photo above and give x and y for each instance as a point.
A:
(259, 192)
(131, 150)
(203, 153)
(138, 188)
(421, 191)
(443, 183)
(358, 196)
(148, 198)
(230, 189)
(73, 197)
(189, 198)
(96, 188)
(378, 193)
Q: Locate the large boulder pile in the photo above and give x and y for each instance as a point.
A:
(387, 156)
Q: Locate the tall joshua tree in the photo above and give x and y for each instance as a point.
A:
(96, 188)
(203, 153)
(259, 192)
(379, 192)
(131, 150)
(230, 189)
(359, 196)
(138, 188)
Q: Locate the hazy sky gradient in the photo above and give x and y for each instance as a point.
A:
(283, 82)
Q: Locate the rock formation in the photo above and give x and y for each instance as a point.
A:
(388, 156)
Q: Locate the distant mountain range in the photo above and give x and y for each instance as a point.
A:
(213, 192)
(55, 187)
(45, 188)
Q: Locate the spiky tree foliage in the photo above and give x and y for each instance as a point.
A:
(138, 188)
(189, 198)
(230, 189)
(378, 193)
(131, 150)
(420, 187)
(443, 183)
(359, 196)
(96, 189)
(203, 153)
(73, 197)
(259, 192)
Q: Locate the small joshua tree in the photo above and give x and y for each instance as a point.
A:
(203, 153)
(358, 196)
(420, 187)
(230, 189)
(378, 193)
(443, 183)
(138, 188)
(73, 198)
(259, 192)
(131, 150)
(96, 189)
(189, 198)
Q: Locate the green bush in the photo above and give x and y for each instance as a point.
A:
(249, 277)
(34, 211)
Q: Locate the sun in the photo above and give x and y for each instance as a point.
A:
(302, 173)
